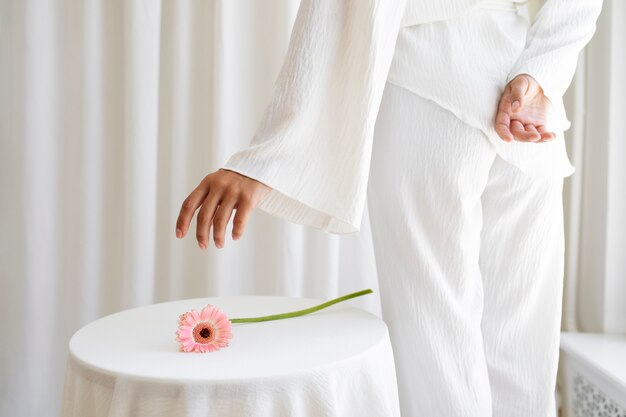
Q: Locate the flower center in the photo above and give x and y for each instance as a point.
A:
(203, 333)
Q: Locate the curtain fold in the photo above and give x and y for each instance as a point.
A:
(111, 112)
(595, 195)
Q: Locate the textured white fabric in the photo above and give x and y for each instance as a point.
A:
(111, 112)
(439, 176)
(337, 362)
(313, 145)
(462, 64)
(469, 251)
(77, 182)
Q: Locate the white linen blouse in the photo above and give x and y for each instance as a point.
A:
(313, 145)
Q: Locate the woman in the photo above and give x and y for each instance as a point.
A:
(448, 117)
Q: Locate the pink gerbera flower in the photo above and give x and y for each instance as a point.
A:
(204, 331)
(210, 329)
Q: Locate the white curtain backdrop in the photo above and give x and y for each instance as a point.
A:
(595, 196)
(111, 112)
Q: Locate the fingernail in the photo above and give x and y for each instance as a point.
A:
(202, 245)
(179, 233)
(219, 245)
(515, 105)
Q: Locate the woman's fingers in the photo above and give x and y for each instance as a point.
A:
(189, 207)
(521, 110)
(517, 129)
(217, 196)
(519, 87)
(524, 132)
(205, 216)
(503, 120)
(546, 136)
(531, 130)
(244, 209)
(221, 218)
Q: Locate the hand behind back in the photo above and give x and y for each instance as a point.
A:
(523, 112)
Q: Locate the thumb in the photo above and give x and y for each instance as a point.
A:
(519, 86)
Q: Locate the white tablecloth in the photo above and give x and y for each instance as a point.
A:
(335, 362)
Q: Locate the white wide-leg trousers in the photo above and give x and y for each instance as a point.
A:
(469, 252)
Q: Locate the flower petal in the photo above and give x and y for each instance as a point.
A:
(205, 313)
(196, 316)
(209, 317)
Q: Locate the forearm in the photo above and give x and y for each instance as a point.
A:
(314, 142)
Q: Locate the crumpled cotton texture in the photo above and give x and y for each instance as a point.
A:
(313, 145)
(469, 255)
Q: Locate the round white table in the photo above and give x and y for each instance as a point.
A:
(334, 362)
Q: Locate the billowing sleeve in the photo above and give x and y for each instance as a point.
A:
(559, 31)
(313, 145)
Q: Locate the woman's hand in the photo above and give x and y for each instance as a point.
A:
(216, 196)
(523, 112)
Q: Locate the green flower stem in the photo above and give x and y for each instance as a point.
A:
(302, 312)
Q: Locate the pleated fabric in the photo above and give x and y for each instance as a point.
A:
(469, 252)
(467, 229)
(313, 145)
